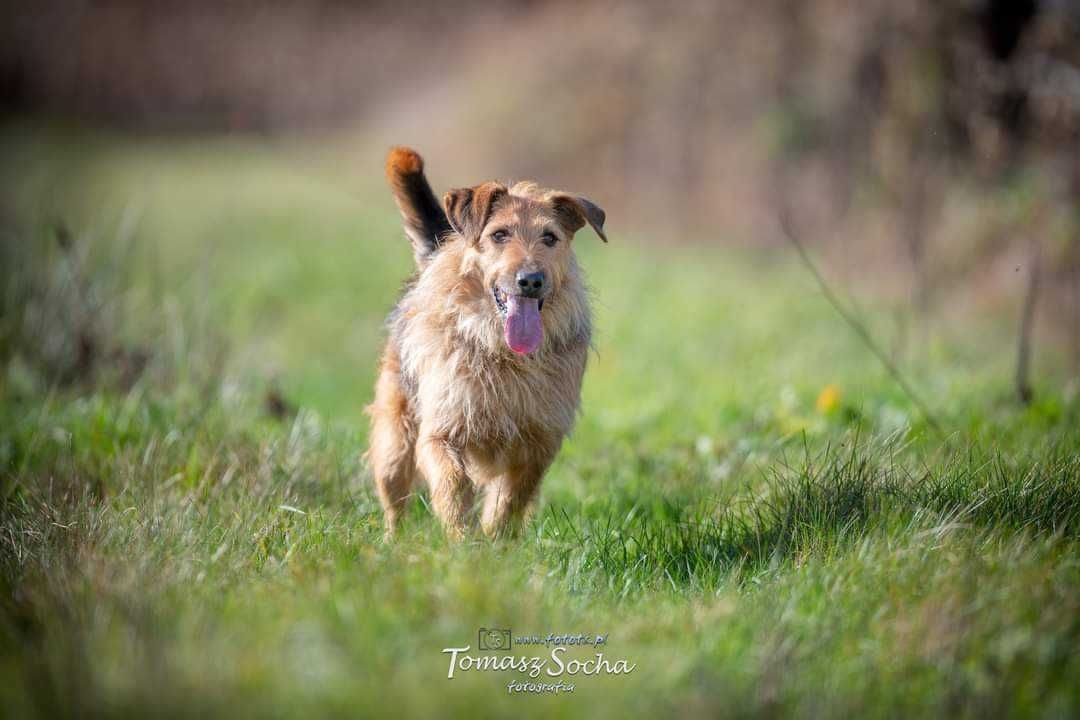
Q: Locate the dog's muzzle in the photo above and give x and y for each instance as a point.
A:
(501, 296)
(523, 328)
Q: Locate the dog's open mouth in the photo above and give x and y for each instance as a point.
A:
(522, 327)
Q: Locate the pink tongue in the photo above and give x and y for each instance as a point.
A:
(524, 333)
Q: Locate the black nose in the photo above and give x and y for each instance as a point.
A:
(530, 283)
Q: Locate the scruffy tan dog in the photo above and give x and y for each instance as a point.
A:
(481, 376)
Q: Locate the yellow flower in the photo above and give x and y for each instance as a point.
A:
(829, 399)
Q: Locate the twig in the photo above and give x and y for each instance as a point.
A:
(857, 326)
(1027, 323)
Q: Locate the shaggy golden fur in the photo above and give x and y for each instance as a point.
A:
(453, 401)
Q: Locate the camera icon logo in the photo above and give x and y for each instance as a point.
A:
(494, 639)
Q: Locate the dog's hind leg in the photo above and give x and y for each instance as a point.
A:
(393, 438)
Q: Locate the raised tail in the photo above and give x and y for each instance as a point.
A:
(424, 220)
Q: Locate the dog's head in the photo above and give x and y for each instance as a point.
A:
(519, 241)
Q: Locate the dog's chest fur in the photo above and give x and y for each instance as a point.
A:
(465, 392)
(461, 380)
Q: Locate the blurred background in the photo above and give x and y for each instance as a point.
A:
(930, 151)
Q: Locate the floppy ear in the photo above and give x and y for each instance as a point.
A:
(575, 211)
(468, 209)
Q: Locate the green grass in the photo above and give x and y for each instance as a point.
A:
(171, 548)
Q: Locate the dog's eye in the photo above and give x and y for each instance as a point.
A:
(549, 239)
(499, 237)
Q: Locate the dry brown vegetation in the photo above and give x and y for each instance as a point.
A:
(935, 143)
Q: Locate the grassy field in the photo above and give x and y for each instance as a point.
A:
(750, 510)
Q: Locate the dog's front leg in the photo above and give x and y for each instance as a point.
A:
(451, 489)
(509, 497)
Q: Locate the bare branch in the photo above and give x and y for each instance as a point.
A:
(858, 327)
(1027, 323)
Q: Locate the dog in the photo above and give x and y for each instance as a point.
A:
(480, 378)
